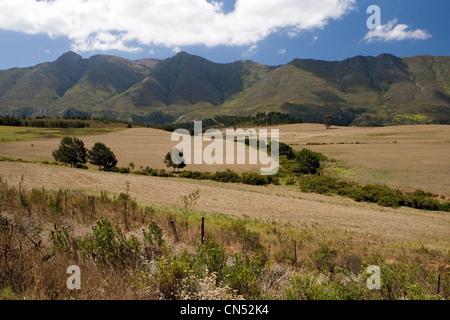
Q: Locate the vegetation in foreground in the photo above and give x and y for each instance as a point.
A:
(130, 251)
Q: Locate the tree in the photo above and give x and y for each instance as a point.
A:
(102, 156)
(309, 162)
(328, 121)
(70, 151)
(176, 162)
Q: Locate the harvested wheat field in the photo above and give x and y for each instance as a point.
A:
(142, 146)
(405, 157)
(275, 203)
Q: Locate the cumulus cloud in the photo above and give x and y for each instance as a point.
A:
(395, 32)
(127, 25)
(282, 51)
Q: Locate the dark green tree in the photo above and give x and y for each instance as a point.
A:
(175, 162)
(70, 151)
(309, 162)
(328, 121)
(102, 156)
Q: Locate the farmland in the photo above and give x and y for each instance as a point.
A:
(404, 157)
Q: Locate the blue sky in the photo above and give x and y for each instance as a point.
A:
(271, 32)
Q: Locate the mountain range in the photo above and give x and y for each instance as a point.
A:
(368, 91)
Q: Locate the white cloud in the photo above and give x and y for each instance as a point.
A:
(282, 51)
(250, 51)
(176, 49)
(127, 25)
(395, 32)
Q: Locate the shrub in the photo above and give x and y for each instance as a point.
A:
(110, 247)
(196, 175)
(120, 170)
(171, 272)
(226, 176)
(290, 182)
(163, 173)
(422, 200)
(254, 178)
(154, 244)
(307, 287)
(308, 162)
(324, 259)
(285, 150)
(319, 184)
(382, 195)
(212, 256)
(244, 277)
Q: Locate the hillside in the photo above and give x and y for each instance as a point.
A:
(370, 91)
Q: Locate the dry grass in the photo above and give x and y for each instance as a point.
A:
(142, 146)
(405, 157)
(277, 203)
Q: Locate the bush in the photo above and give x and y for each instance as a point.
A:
(422, 200)
(324, 259)
(320, 184)
(196, 175)
(290, 182)
(308, 162)
(154, 244)
(226, 176)
(120, 170)
(244, 277)
(307, 287)
(381, 195)
(110, 247)
(212, 256)
(171, 273)
(254, 178)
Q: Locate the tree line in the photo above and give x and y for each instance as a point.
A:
(260, 119)
(40, 123)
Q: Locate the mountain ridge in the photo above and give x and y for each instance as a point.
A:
(361, 90)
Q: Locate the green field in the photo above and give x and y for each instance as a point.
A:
(14, 134)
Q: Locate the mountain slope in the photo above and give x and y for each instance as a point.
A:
(359, 91)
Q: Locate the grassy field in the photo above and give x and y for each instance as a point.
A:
(15, 134)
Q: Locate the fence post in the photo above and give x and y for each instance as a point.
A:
(125, 215)
(20, 191)
(65, 200)
(295, 253)
(439, 284)
(203, 230)
(93, 206)
(174, 229)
